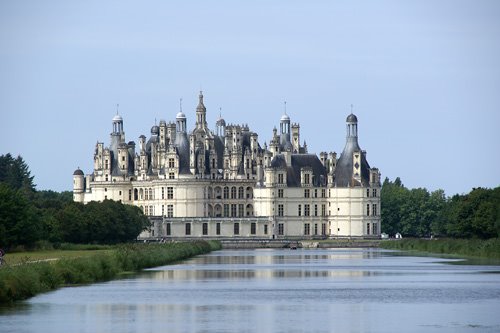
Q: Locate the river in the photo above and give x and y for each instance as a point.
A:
(305, 290)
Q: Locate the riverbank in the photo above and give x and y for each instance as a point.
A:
(489, 248)
(293, 243)
(21, 281)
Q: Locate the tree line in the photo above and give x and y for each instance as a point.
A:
(28, 216)
(420, 213)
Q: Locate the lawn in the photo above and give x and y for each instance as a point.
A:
(49, 255)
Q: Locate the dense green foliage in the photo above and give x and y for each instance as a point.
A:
(420, 213)
(26, 280)
(28, 217)
(489, 248)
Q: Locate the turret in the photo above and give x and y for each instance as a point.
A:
(201, 113)
(78, 185)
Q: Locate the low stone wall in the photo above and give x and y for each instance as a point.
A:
(284, 243)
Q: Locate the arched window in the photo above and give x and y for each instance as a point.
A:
(226, 192)
(233, 192)
(241, 194)
(136, 194)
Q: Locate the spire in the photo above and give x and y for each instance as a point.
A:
(201, 111)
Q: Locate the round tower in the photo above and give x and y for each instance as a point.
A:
(181, 122)
(352, 126)
(78, 185)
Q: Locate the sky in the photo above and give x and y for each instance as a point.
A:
(423, 78)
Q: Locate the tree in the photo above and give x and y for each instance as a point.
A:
(16, 174)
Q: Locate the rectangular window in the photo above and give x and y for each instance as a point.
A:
(300, 210)
(280, 193)
(233, 210)
(265, 229)
(217, 228)
(367, 209)
(306, 210)
(323, 210)
(323, 229)
(170, 210)
(205, 229)
(323, 193)
(163, 193)
(171, 175)
(307, 193)
(374, 210)
(315, 193)
(241, 211)
(236, 228)
(171, 163)
(375, 229)
(188, 229)
(130, 194)
(226, 210)
(315, 210)
(253, 228)
(315, 228)
(162, 210)
(367, 192)
(368, 228)
(307, 229)
(374, 193)
(306, 178)
(169, 229)
(280, 178)
(170, 192)
(281, 229)
(280, 210)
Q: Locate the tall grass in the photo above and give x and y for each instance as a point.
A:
(28, 279)
(467, 247)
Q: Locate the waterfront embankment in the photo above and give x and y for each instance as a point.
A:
(479, 248)
(297, 243)
(27, 279)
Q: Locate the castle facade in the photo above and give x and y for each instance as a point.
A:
(224, 183)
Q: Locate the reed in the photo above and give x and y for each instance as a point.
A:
(28, 279)
(489, 248)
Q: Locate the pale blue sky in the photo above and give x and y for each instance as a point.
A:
(424, 78)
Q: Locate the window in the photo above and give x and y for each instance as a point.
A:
(123, 158)
(170, 210)
(300, 210)
(236, 228)
(307, 229)
(323, 193)
(162, 210)
(171, 175)
(280, 193)
(217, 228)
(151, 194)
(315, 193)
(367, 192)
(323, 229)
(253, 228)
(280, 178)
(374, 193)
(367, 209)
(315, 228)
(226, 192)
(265, 229)
(106, 164)
(204, 228)
(323, 210)
(280, 229)
(306, 210)
(170, 192)
(306, 178)
(307, 193)
(280, 210)
(226, 210)
(163, 193)
(188, 229)
(151, 210)
(315, 210)
(368, 228)
(233, 192)
(130, 194)
(171, 163)
(375, 229)
(241, 193)
(241, 211)
(169, 229)
(374, 210)
(233, 210)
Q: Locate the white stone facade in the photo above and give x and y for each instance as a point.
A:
(223, 183)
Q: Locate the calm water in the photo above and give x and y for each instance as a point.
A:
(323, 290)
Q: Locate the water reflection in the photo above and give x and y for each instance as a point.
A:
(320, 290)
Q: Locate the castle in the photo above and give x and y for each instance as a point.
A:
(223, 183)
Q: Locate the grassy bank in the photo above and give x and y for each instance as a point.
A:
(27, 279)
(465, 247)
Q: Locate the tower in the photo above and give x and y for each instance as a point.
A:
(78, 185)
(201, 113)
